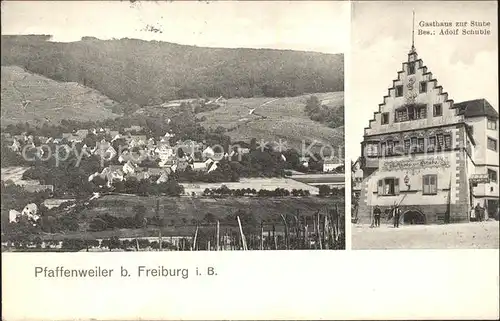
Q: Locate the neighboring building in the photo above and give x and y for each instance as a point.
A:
(331, 165)
(35, 188)
(357, 179)
(427, 154)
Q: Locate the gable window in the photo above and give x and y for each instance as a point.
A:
(492, 124)
(410, 112)
(429, 184)
(492, 144)
(385, 118)
(423, 86)
(492, 175)
(421, 112)
(411, 68)
(388, 186)
(401, 115)
(438, 110)
(399, 91)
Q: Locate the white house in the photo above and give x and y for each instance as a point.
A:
(208, 152)
(330, 165)
(31, 211)
(13, 215)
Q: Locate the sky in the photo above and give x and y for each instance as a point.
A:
(466, 66)
(279, 25)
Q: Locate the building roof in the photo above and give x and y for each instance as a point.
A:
(476, 108)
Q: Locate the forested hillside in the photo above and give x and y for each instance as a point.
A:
(151, 72)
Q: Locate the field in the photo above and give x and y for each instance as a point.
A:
(176, 208)
(474, 235)
(272, 119)
(28, 97)
(256, 183)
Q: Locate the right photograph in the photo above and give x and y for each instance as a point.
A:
(423, 125)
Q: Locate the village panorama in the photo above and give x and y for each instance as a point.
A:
(91, 163)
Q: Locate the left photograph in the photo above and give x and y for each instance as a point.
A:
(172, 126)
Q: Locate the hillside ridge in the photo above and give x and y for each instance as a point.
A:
(152, 72)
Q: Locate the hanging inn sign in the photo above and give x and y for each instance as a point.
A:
(415, 164)
(479, 179)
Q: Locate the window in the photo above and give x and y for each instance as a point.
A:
(447, 141)
(410, 112)
(385, 118)
(383, 148)
(492, 124)
(406, 145)
(431, 144)
(492, 174)
(429, 184)
(423, 86)
(492, 144)
(414, 144)
(401, 115)
(440, 141)
(399, 91)
(438, 110)
(411, 68)
(388, 186)
(390, 147)
(421, 145)
(397, 148)
(421, 112)
(371, 150)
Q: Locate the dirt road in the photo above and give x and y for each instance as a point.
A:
(474, 235)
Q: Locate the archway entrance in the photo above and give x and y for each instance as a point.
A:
(413, 217)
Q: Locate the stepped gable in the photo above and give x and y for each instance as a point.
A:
(410, 82)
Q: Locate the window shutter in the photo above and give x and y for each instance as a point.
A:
(380, 189)
(396, 186)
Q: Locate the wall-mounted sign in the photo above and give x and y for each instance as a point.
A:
(413, 164)
(479, 179)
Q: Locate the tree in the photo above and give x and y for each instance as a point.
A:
(324, 190)
(210, 218)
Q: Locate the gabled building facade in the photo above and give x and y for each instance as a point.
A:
(432, 157)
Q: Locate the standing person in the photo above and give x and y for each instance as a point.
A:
(483, 213)
(396, 216)
(376, 214)
(477, 212)
(473, 216)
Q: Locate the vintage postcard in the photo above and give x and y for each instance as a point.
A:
(426, 99)
(185, 160)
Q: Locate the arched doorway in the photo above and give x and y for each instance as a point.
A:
(413, 217)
